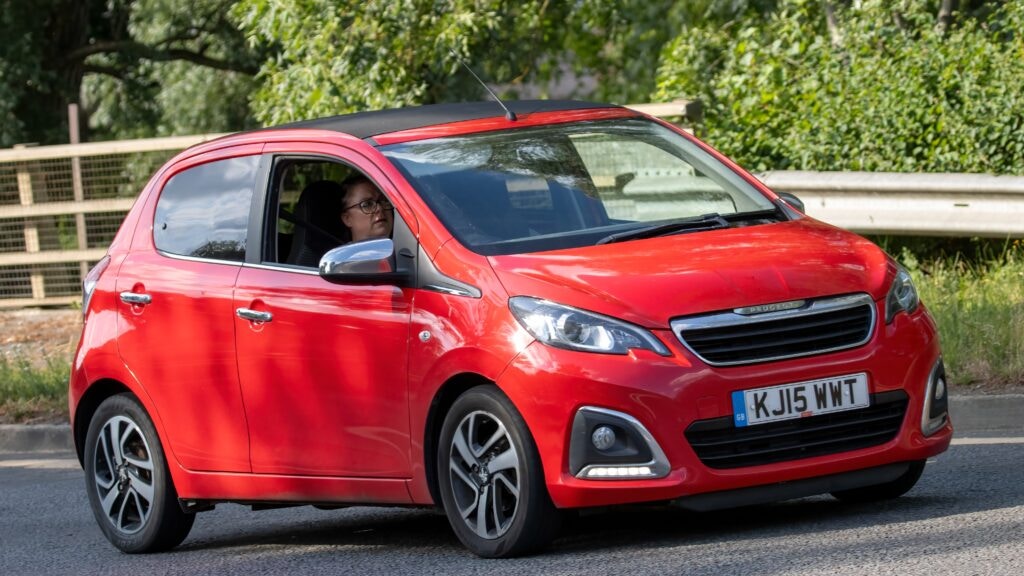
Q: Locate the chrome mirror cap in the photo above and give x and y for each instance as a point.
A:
(373, 256)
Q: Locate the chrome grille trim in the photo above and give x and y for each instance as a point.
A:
(767, 324)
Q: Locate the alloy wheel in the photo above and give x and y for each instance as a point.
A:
(485, 473)
(123, 474)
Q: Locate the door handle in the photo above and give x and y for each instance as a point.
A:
(135, 298)
(254, 315)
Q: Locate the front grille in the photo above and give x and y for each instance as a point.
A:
(816, 327)
(719, 444)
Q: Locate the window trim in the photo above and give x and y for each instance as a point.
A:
(265, 222)
(192, 164)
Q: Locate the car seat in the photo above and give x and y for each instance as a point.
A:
(318, 226)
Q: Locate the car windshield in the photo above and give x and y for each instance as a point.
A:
(572, 185)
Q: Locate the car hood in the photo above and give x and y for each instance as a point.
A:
(650, 281)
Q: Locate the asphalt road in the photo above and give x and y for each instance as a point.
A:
(966, 516)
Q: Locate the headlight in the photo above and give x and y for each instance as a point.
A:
(902, 295)
(566, 327)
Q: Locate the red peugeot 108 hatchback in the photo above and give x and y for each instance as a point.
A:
(506, 316)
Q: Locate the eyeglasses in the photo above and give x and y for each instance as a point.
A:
(372, 205)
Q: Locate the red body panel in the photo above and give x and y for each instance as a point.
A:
(694, 273)
(322, 398)
(668, 394)
(331, 400)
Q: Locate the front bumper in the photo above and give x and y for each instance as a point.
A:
(666, 395)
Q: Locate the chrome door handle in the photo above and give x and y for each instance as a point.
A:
(135, 298)
(254, 315)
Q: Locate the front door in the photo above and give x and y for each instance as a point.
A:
(322, 366)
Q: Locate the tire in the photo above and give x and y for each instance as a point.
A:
(885, 491)
(490, 478)
(130, 489)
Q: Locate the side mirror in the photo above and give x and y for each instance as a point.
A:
(364, 262)
(792, 200)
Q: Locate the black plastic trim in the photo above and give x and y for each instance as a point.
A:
(720, 444)
(790, 490)
(430, 278)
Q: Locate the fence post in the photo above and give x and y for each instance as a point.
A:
(31, 227)
(79, 190)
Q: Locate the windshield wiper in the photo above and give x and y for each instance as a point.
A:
(705, 222)
(712, 221)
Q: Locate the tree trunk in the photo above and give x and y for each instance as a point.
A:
(833, 25)
(67, 29)
(945, 18)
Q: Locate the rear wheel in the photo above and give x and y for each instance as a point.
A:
(490, 477)
(885, 491)
(130, 490)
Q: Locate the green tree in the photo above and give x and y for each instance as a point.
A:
(332, 57)
(124, 52)
(865, 85)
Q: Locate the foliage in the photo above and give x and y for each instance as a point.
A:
(979, 308)
(21, 50)
(176, 98)
(892, 91)
(29, 391)
(331, 57)
(154, 95)
(129, 55)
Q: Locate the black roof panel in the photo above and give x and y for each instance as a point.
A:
(369, 124)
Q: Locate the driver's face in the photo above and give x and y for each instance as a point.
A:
(377, 224)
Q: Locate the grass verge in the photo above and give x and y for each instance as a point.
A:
(978, 304)
(33, 392)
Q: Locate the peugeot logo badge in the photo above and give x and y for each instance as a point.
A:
(765, 308)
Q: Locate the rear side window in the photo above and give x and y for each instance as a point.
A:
(203, 212)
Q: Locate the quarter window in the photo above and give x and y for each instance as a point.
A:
(203, 212)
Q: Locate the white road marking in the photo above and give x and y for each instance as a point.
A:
(986, 441)
(42, 463)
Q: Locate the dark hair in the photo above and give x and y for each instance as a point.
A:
(351, 182)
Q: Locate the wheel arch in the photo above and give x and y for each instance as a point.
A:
(439, 407)
(90, 401)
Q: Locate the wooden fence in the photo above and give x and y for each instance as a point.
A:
(60, 207)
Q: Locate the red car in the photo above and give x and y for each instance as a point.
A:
(567, 306)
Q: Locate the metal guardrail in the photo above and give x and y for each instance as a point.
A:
(910, 204)
(61, 205)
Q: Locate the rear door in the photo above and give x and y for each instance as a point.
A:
(324, 376)
(175, 309)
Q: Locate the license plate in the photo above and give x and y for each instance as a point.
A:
(800, 400)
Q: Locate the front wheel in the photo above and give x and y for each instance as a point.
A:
(130, 490)
(885, 491)
(490, 477)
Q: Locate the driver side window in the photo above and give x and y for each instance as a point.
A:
(305, 210)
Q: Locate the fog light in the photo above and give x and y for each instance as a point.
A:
(603, 438)
(610, 445)
(940, 388)
(619, 472)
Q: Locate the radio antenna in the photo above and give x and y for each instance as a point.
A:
(509, 115)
